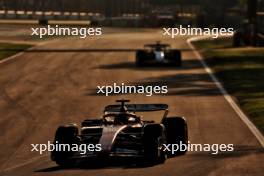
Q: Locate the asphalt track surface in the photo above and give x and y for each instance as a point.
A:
(40, 91)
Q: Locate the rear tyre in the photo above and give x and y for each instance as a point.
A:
(140, 56)
(176, 133)
(260, 41)
(237, 39)
(154, 138)
(175, 58)
(65, 135)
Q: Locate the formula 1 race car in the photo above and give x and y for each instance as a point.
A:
(121, 133)
(158, 54)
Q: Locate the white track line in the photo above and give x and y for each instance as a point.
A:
(24, 163)
(228, 98)
(11, 57)
(21, 53)
(3, 61)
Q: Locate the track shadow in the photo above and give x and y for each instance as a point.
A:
(86, 50)
(97, 164)
(50, 169)
(186, 64)
(242, 150)
(239, 151)
(199, 84)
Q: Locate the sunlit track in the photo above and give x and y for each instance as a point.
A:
(57, 88)
(228, 98)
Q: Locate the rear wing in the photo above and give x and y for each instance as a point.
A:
(155, 45)
(137, 107)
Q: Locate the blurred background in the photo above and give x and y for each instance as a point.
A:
(137, 12)
(245, 15)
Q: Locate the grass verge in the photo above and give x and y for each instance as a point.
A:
(7, 49)
(241, 71)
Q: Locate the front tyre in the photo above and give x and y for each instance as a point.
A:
(176, 133)
(154, 138)
(66, 135)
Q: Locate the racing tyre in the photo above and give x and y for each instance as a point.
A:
(154, 138)
(65, 135)
(176, 133)
(237, 39)
(176, 58)
(260, 41)
(140, 56)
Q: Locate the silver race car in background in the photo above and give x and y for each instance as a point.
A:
(122, 133)
(160, 54)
